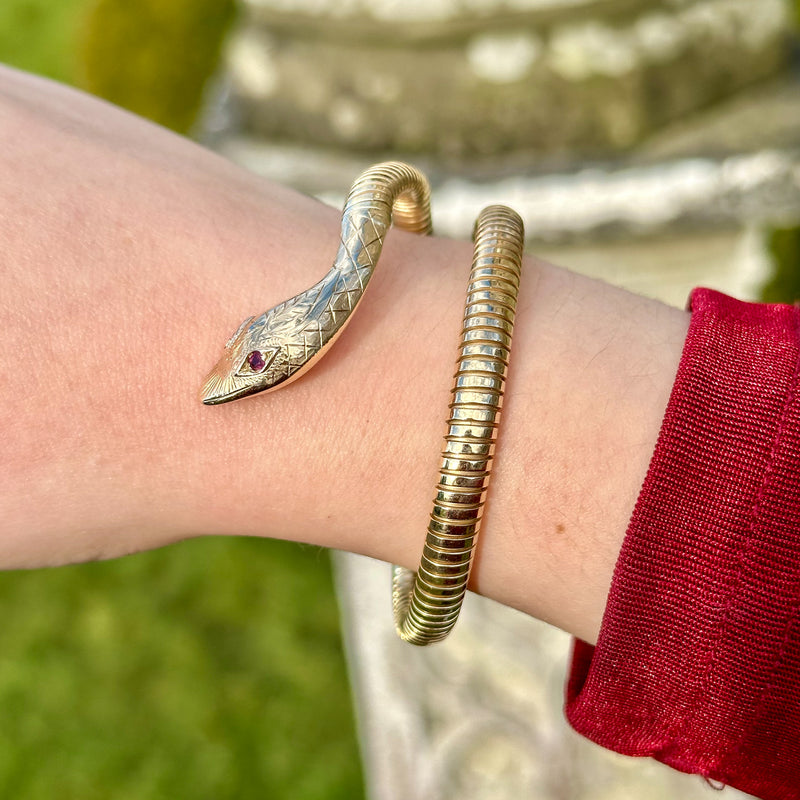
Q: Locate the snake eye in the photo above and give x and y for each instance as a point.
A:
(256, 361)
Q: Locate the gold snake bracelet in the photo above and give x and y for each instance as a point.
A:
(270, 350)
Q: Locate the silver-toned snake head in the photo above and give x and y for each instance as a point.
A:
(253, 361)
(279, 346)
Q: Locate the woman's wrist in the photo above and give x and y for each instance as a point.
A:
(592, 372)
(131, 255)
(350, 453)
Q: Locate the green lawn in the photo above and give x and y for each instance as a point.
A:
(190, 672)
(212, 669)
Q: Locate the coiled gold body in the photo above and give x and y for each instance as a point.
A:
(426, 604)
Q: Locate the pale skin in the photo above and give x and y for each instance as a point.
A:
(130, 255)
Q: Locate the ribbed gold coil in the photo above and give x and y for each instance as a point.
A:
(426, 604)
(391, 188)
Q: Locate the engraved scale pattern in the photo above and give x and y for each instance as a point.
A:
(301, 328)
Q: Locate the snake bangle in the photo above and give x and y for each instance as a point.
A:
(270, 350)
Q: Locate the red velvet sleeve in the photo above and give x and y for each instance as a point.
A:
(698, 659)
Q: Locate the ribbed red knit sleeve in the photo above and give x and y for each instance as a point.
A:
(698, 659)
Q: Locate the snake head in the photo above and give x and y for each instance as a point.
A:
(253, 361)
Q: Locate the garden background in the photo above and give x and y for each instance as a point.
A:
(186, 672)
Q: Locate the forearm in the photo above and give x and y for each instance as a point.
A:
(129, 258)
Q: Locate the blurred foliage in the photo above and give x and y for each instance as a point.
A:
(783, 245)
(40, 35)
(210, 669)
(154, 56)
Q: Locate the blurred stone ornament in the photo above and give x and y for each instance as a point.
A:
(459, 77)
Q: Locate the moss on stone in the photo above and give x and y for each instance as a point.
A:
(39, 36)
(784, 248)
(154, 56)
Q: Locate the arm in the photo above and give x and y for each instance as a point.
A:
(130, 254)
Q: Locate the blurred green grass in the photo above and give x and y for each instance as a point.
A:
(211, 669)
(189, 672)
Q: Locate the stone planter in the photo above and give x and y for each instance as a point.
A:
(456, 78)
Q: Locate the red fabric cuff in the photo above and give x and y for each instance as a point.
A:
(698, 659)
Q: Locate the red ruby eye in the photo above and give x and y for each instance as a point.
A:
(256, 361)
